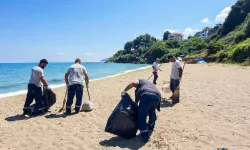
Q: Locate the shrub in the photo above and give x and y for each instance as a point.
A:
(172, 44)
(214, 47)
(241, 52)
(239, 37)
(223, 57)
(247, 26)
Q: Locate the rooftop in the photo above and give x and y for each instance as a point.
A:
(177, 33)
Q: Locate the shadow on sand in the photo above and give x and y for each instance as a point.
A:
(133, 144)
(165, 103)
(18, 118)
(52, 116)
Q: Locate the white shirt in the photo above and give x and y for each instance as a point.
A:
(156, 66)
(36, 74)
(175, 74)
(76, 74)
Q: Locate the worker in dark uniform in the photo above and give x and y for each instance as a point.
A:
(149, 98)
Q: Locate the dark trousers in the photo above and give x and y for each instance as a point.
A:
(34, 92)
(155, 77)
(147, 106)
(75, 89)
(173, 85)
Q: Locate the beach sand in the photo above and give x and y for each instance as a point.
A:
(213, 113)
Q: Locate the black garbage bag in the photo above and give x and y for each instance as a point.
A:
(123, 120)
(49, 99)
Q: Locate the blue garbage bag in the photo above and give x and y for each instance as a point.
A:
(123, 120)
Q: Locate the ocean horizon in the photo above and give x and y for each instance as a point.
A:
(14, 77)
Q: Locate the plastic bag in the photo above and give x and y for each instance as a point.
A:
(123, 120)
(87, 106)
(49, 99)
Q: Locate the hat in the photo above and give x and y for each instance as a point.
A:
(157, 59)
(44, 61)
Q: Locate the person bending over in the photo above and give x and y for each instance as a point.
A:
(35, 90)
(149, 98)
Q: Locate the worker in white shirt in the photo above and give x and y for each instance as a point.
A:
(176, 74)
(155, 67)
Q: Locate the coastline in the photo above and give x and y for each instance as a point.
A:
(54, 86)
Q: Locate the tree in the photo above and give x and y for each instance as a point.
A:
(156, 51)
(236, 16)
(128, 47)
(119, 53)
(165, 35)
(145, 40)
(172, 44)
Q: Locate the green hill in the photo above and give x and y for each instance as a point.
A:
(227, 43)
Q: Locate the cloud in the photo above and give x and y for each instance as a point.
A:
(60, 53)
(172, 30)
(190, 31)
(223, 14)
(206, 20)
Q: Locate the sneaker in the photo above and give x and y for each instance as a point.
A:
(145, 136)
(26, 111)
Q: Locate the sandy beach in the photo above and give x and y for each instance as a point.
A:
(213, 113)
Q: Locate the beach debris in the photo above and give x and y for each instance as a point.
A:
(88, 105)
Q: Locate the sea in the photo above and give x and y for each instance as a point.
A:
(14, 77)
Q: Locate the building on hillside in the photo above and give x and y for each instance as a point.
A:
(204, 34)
(175, 36)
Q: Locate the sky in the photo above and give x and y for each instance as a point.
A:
(62, 30)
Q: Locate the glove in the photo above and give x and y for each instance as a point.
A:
(123, 93)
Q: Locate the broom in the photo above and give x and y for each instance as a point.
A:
(64, 101)
(175, 95)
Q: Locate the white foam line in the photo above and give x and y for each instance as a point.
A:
(22, 92)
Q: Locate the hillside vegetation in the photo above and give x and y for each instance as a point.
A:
(228, 43)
